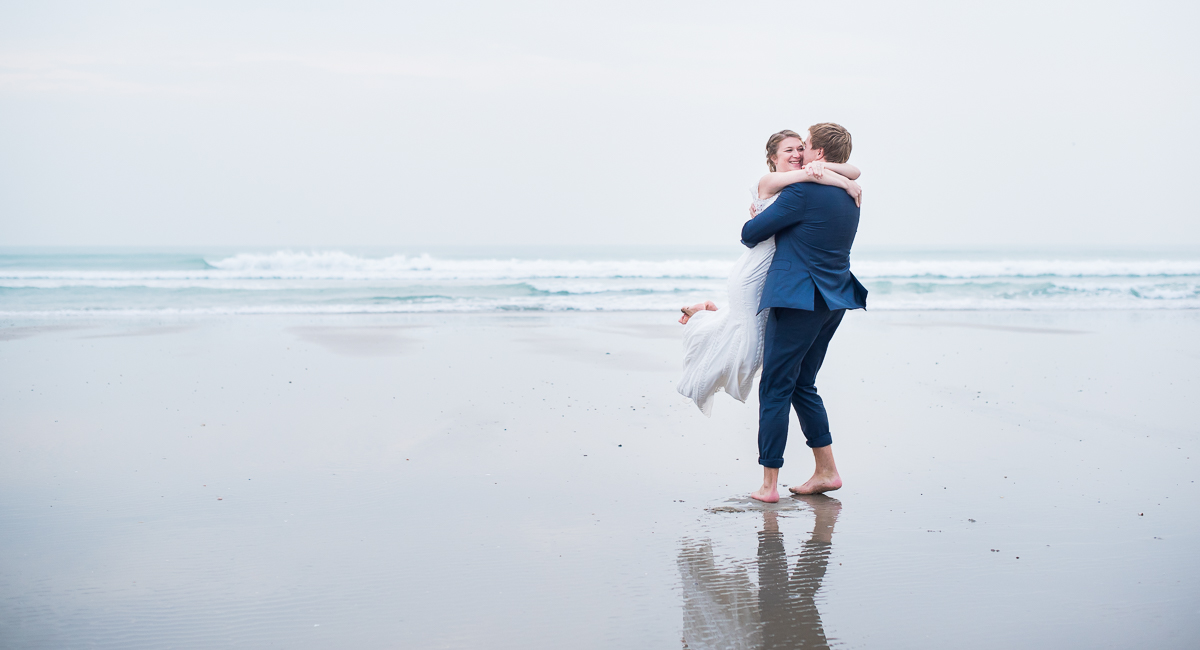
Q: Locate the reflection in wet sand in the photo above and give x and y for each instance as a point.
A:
(723, 609)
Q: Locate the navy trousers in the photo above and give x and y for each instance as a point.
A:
(796, 341)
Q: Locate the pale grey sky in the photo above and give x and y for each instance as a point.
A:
(358, 123)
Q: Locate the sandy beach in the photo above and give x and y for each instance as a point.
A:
(1013, 479)
(353, 325)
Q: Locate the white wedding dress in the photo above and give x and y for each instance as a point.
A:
(723, 349)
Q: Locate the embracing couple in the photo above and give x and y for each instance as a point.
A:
(787, 296)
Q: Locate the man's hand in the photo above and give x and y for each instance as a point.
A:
(816, 169)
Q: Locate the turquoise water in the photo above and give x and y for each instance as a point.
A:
(138, 282)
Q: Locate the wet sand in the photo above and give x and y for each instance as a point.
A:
(534, 481)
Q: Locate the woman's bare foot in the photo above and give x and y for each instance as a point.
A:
(688, 312)
(819, 484)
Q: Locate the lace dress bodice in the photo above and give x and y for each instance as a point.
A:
(760, 204)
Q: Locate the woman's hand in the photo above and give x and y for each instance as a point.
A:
(752, 212)
(854, 191)
(816, 169)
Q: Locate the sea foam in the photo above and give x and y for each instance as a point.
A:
(337, 282)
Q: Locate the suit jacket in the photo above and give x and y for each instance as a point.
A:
(814, 227)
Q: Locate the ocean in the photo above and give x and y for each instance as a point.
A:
(62, 283)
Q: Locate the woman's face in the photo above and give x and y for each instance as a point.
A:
(789, 155)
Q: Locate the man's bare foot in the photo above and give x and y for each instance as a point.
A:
(688, 312)
(825, 476)
(766, 494)
(819, 484)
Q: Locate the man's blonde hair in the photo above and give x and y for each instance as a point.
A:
(833, 138)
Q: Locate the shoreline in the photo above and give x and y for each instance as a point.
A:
(133, 315)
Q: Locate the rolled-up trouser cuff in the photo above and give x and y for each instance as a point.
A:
(820, 441)
(771, 462)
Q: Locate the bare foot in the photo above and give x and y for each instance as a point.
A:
(819, 484)
(688, 312)
(766, 494)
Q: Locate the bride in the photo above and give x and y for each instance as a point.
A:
(723, 349)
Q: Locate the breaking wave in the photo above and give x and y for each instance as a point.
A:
(288, 281)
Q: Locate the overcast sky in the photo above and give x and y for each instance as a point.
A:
(524, 122)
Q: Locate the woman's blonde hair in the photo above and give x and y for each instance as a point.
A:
(774, 141)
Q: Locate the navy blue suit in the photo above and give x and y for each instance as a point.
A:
(808, 289)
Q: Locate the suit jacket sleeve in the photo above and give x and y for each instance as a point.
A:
(787, 210)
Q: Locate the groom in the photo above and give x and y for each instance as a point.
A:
(808, 288)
